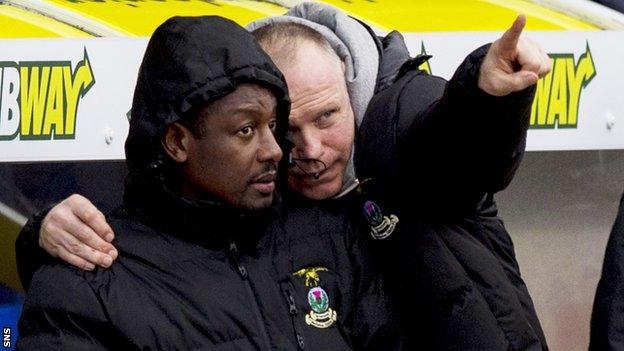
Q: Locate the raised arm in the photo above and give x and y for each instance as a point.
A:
(470, 141)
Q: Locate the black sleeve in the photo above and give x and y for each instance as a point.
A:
(62, 312)
(607, 322)
(455, 148)
(375, 322)
(30, 256)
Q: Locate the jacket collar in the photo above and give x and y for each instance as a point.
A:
(204, 222)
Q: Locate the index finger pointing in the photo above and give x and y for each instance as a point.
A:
(509, 40)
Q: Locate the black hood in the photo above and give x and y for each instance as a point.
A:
(190, 61)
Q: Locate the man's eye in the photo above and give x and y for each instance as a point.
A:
(325, 118)
(246, 131)
(273, 125)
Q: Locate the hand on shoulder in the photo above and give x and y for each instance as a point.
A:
(77, 232)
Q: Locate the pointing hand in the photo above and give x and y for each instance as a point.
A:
(513, 62)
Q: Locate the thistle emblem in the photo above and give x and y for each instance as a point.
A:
(320, 315)
(381, 226)
(318, 300)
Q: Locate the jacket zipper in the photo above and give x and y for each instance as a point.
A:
(292, 309)
(242, 271)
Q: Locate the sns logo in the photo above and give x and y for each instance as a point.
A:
(558, 94)
(39, 100)
(6, 337)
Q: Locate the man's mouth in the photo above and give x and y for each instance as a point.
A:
(303, 171)
(310, 176)
(264, 183)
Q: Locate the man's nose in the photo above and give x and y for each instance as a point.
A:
(269, 149)
(307, 145)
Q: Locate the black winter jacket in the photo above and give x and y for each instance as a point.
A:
(607, 322)
(433, 153)
(197, 274)
(214, 280)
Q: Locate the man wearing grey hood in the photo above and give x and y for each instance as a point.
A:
(430, 155)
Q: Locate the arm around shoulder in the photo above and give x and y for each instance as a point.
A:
(30, 256)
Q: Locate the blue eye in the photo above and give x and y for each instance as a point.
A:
(326, 118)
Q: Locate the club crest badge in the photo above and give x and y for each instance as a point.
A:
(381, 226)
(321, 315)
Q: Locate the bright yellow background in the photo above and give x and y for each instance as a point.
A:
(141, 18)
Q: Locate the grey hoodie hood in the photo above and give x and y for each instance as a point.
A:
(356, 48)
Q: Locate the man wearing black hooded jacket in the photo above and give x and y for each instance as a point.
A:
(206, 260)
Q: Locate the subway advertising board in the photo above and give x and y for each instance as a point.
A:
(579, 105)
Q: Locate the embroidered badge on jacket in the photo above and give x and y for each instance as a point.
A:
(381, 226)
(320, 315)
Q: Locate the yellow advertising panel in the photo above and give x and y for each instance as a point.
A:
(53, 18)
(456, 15)
(20, 23)
(140, 18)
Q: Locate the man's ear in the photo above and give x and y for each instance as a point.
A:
(176, 142)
